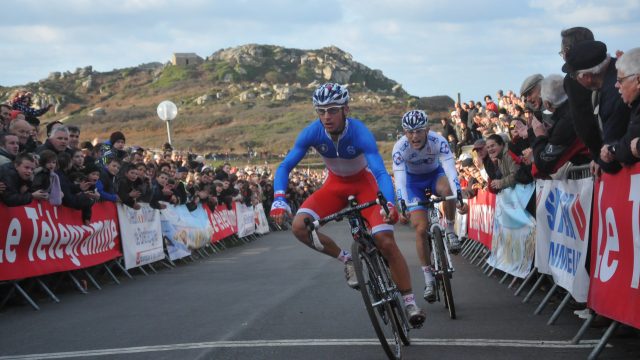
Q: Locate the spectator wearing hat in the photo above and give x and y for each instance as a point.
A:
(580, 104)
(114, 147)
(555, 144)
(530, 90)
(593, 68)
(627, 149)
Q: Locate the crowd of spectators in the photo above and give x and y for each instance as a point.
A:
(588, 116)
(67, 171)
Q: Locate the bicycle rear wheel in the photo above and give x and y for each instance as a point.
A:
(444, 276)
(377, 301)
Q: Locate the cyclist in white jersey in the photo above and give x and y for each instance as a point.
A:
(422, 160)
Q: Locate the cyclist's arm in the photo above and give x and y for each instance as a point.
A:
(448, 163)
(399, 173)
(281, 179)
(376, 165)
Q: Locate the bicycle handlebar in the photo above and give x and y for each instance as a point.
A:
(430, 201)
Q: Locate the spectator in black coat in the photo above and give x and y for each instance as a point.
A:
(594, 69)
(75, 196)
(16, 177)
(129, 186)
(626, 149)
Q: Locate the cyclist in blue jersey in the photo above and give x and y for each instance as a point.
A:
(355, 167)
(422, 160)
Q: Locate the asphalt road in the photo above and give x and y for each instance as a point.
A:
(276, 299)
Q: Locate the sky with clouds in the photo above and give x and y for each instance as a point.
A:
(431, 47)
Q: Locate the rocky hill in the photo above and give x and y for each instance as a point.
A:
(251, 96)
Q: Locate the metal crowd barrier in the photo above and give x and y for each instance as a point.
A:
(477, 254)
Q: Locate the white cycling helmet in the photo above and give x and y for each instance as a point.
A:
(330, 93)
(414, 119)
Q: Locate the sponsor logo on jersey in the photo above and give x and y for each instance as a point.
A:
(397, 158)
(351, 150)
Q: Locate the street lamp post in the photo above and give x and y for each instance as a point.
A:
(167, 111)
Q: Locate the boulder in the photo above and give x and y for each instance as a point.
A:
(97, 112)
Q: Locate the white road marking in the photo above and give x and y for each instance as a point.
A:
(547, 344)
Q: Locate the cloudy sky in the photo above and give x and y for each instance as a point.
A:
(431, 47)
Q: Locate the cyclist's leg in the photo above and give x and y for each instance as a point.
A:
(323, 202)
(420, 223)
(444, 189)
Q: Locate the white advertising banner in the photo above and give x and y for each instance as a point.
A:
(262, 224)
(562, 239)
(141, 235)
(245, 220)
(514, 230)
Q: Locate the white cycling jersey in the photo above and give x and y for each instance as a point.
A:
(417, 162)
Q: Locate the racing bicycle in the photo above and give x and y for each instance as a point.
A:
(437, 249)
(381, 296)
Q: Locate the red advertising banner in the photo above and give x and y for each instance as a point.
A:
(615, 247)
(223, 221)
(40, 238)
(481, 211)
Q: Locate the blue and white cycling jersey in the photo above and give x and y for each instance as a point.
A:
(419, 165)
(355, 149)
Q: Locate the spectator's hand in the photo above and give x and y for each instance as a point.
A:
(279, 209)
(166, 191)
(538, 127)
(496, 184)
(462, 208)
(134, 194)
(606, 155)
(3, 187)
(40, 195)
(595, 169)
(137, 206)
(92, 195)
(85, 185)
(619, 53)
(522, 129)
(634, 147)
(392, 217)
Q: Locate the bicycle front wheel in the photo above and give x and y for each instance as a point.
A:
(444, 276)
(377, 301)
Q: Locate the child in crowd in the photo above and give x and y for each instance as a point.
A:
(129, 186)
(45, 177)
(106, 185)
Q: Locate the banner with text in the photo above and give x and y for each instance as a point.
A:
(245, 220)
(562, 235)
(223, 222)
(514, 231)
(615, 247)
(262, 225)
(481, 212)
(40, 238)
(141, 235)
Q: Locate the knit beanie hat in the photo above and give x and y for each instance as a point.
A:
(115, 136)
